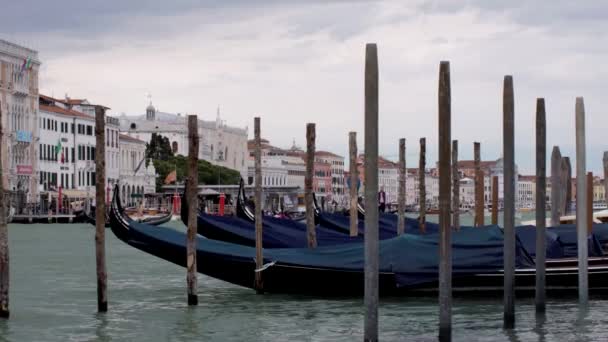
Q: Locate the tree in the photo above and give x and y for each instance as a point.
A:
(207, 173)
(159, 148)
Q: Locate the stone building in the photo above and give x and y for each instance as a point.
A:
(220, 144)
(19, 67)
(136, 179)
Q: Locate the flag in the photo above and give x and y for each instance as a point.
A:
(171, 177)
(58, 148)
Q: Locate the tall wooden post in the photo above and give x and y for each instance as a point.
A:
(556, 158)
(371, 194)
(589, 202)
(509, 197)
(259, 258)
(354, 181)
(4, 255)
(495, 200)
(192, 193)
(541, 189)
(100, 209)
(581, 205)
(401, 191)
(568, 185)
(445, 232)
(310, 167)
(455, 187)
(479, 202)
(605, 162)
(422, 185)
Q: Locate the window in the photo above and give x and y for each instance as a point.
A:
(89, 130)
(72, 154)
(108, 138)
(72, 128)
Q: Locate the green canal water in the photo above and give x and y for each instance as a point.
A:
(53, 298)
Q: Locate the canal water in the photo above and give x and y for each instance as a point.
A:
(53, 298)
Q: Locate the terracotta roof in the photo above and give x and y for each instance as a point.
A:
(63, 111)
(386, 164)
(75, 101)
(326, 154)
(130, 138)
(530, 178)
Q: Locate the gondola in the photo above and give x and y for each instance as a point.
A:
(153, 220)
(277, 232)
(408, 264)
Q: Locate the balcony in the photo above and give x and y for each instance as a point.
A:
(23, 136)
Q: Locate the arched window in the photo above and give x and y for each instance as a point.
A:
(174, 146)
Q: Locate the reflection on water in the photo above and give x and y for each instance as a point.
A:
(53, 298)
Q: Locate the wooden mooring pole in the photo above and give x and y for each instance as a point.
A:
(605, 163)
(401, 191)
(259, 257)
(581, 199)
(509, 199)
(100, 208)
(479, 202)
(565, 176)
(4, 255)
(422, 185)
(541, 189)
(354, 181)
(494, 199)
(445, 232)
(556, 159)
(371, 194)
(311, 234)
(192, 193)
(589, 202)
(455, 187)
(568, 185)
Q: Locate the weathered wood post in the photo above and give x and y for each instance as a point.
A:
(354, 181)
(401, 192)
(4, 255)
(100, 208)
(371, 194)
(568, 185)
(259, 258)
(422, 185)
(509, 199)
(445, 238)
(581, 199)
(495, 200)
(541, 189)
(455, 187)
(605, 162)
(563, 208)
(479, 202)
(311, 234)
(556, 185)
(589, 202)
(192, 193)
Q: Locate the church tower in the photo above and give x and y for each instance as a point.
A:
(150, 111)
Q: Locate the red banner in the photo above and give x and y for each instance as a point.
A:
(24, 169)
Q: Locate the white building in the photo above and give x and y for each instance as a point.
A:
(388, 179)
(412, 193)
(526, 192)
(67, 146)
(19, 105)
(278, 165)
(220, 144)
(136, 179)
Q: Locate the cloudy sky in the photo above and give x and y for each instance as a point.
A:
(293, 62)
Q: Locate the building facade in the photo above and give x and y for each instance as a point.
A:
(136, 179)
(67, 147)
(19, 67)
(336, 162)
(220, 144)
